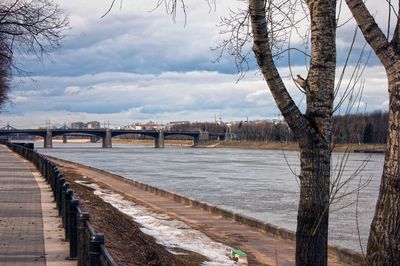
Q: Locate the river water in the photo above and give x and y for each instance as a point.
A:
(257, 183)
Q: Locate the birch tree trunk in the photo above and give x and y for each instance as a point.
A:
(384, 239)
(312, 130)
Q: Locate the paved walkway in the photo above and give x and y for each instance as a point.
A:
(30, 229)
(21, 223)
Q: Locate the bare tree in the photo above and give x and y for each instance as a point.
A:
(4, 73)
(314, 128)
(266, 23)
(384, 239)
(27, 27)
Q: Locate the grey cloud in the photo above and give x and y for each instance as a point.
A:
(133, 41)
(135, 65)
(163, 94)
(169, 96)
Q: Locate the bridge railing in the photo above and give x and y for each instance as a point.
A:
(85, 244)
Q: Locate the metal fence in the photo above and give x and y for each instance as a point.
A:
(85, 244)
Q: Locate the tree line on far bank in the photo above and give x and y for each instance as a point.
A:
(352, 128)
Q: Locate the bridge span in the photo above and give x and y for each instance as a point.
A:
(106, 135)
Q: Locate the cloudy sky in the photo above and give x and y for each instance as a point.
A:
(135, 66)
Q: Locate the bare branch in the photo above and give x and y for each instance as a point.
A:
(372, 33)
(262, 50)
(109, 9)
(28, 27)
(35, 26)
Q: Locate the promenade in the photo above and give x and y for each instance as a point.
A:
(21, 222)
(29, 226)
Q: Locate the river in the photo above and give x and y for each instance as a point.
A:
(257, 183)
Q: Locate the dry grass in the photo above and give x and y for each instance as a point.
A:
(288, 146)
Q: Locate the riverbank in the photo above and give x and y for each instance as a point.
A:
(263, 247)
(127, 244)
(292, 146)
(289, 146)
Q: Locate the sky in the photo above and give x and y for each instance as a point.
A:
(136, 65)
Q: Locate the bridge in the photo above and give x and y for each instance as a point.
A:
(106, 135)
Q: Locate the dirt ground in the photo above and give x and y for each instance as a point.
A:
(124, 240)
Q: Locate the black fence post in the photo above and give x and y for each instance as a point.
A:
(56, 184)
(59, 194)
(64, 202)
(42, 160)
(48, 167)
(54, 174)
(73, 228)
(45, 169)
(41, 163)
(68, 198)
(83, 249)
(95, 249)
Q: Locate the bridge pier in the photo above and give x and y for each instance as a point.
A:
(159, 139)
(107, 143)
(201, 138)
(64, 139)
(48, 139)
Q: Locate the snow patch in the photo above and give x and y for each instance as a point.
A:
(167, 231)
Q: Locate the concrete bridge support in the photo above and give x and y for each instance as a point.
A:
(159, 140)
(107, 143)
(48, 139)
(201, 138)
(64, 139)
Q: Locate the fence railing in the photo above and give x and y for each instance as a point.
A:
(85, 245)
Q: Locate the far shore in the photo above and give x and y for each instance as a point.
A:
(291, 146)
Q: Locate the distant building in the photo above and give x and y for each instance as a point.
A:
(93, 125)
(88, 125)
(153, 126)
(126, 127)
(137, 126)
(148, 126)
(78, 125)
(176, 123)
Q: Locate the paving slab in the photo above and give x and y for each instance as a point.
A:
(21, 223)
